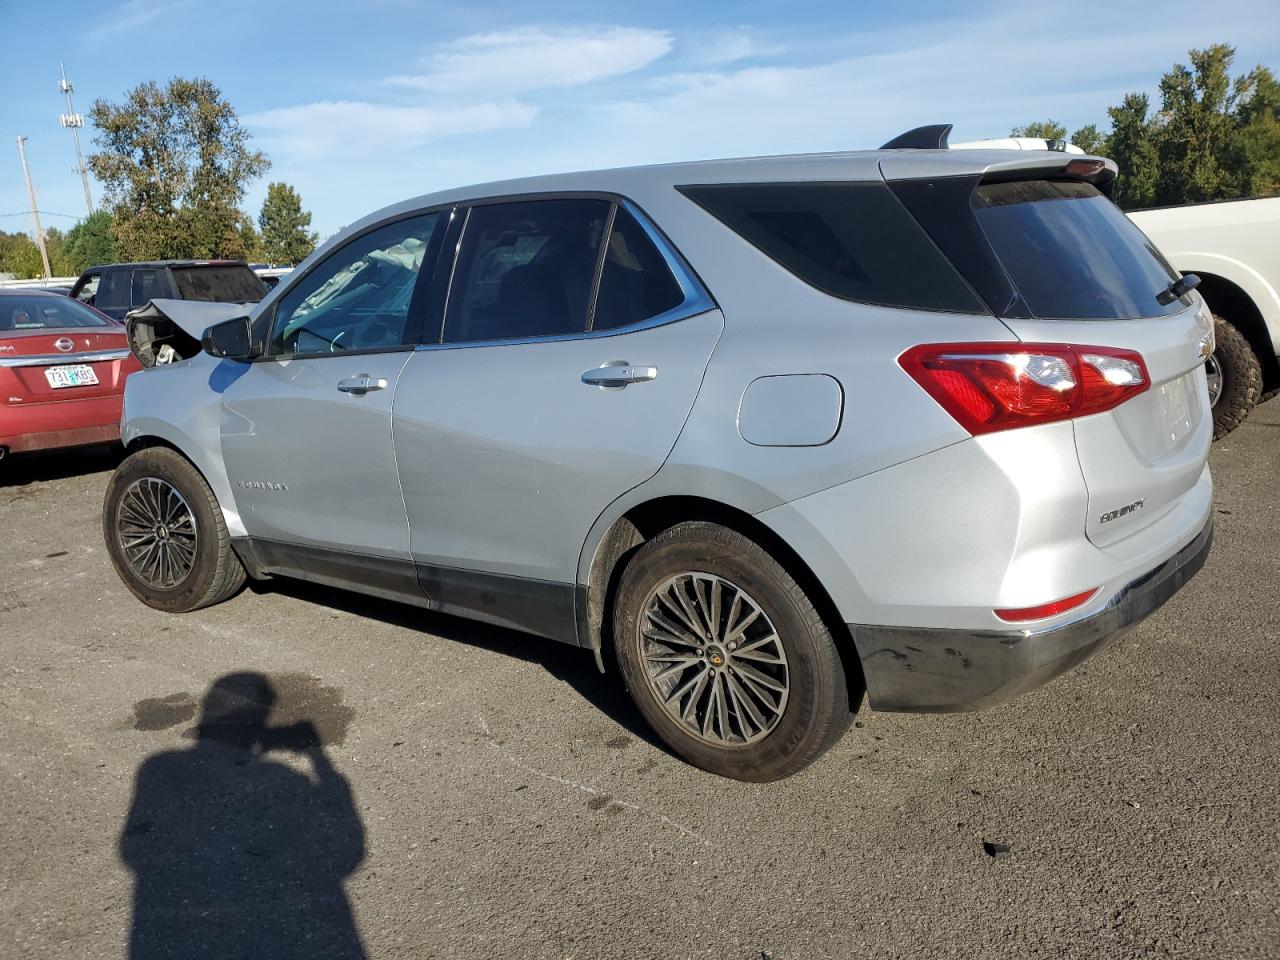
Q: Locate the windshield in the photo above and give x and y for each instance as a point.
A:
(45, 313)
(1071, 253)
(233, 283)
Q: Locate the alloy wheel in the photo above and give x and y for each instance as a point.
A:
(1213, 374)
(713, 659)
(157, 532)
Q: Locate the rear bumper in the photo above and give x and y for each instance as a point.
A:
(942, 670)
(68, 423)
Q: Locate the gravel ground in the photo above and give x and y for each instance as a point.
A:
(512, 804)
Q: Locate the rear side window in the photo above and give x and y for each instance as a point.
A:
(146, 287)
(851, 240)
(1071, 253)
(526, 270)
(219, 284)
(635, 282)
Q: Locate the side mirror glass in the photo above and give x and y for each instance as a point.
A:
(231, 340)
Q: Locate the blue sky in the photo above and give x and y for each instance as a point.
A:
(359, 104)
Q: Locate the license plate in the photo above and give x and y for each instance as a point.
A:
(80, 375)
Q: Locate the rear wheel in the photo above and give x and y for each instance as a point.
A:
(725, 655)
(1235, 378)
(165, 533)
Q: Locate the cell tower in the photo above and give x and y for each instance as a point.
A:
(74, 121)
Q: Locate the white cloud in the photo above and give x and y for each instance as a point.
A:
(536, 58)
(131, 15)
(729, 45)
(355, 129)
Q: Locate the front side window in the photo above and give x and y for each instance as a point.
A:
(526, 269)
(360, 297)
(635, 283)
(89, 290)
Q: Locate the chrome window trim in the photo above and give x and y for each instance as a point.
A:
(64, 359)
(697, 300)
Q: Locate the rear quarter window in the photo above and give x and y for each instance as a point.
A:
(850, 240)
(219, 284)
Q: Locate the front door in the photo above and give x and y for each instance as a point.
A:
(306, 429)
(572, 351)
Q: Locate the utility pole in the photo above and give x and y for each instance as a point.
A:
(74, 121)
(35, 211)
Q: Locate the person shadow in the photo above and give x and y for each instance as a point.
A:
(236, 854)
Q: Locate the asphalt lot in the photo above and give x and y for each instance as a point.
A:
(512, 806)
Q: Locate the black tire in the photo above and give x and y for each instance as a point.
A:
(1241, 378)
(214, 575)
(815, 712)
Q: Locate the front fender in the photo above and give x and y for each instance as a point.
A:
(174, 404)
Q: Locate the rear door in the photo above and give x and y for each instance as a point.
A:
(572, 351)
(1079, 272)
(306, 428)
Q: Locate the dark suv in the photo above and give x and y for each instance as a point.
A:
(117, 288)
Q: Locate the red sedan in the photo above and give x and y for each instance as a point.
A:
(62, 372)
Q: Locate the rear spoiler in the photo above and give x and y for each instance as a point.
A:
(178, 325)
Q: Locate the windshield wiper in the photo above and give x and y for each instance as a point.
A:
(1179, 288)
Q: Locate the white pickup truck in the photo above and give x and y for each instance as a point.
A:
(1234, 248)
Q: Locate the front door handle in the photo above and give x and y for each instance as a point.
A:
(619, 373)
(362, 384)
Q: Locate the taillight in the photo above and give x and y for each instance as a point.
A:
(1023, 614)
(1000, 386)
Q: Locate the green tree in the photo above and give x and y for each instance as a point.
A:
(285, 234)
(1257, 140)
(91, 242)
(1132, 145)
(1197, 126)
(20, 256)
(175, 163)
(1047, 129)
(1091, 140)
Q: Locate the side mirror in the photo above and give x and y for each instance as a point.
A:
(231, 340)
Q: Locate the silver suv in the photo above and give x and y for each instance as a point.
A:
(923, 423)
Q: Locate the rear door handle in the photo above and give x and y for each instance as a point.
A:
(619, 373)
(362, 384)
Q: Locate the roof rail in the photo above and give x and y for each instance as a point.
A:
(932, 137)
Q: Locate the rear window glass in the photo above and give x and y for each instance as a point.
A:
(851, 240)
(1071, 253)
(229, 284)
(636, 282)
(45, 313)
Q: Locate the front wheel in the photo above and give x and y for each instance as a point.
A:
(165, 534)
(726, 656)
(1235, 378)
